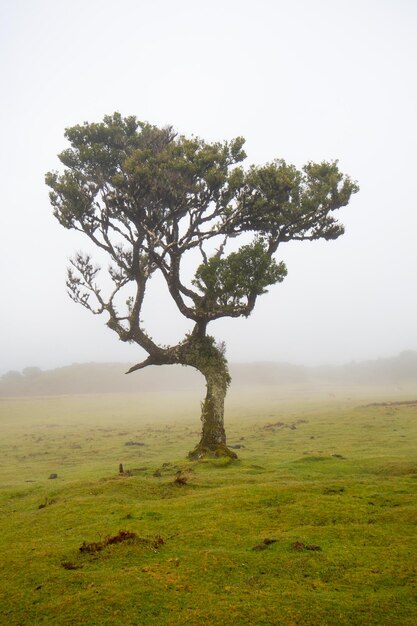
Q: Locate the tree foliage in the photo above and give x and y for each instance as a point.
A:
(146, 196)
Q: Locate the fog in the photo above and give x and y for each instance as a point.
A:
(389, 377)
(299, 80)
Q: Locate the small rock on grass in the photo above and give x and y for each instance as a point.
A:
(263, 546)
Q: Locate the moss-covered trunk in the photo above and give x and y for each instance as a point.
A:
(212, 412)
(213, 435)
(210, 361)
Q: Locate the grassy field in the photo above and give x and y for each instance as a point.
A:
(315, 524)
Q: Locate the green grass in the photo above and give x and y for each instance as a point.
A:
(343, 478)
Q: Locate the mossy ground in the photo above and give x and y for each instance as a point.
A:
(326, 472)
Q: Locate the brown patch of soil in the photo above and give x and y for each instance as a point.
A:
(69, 565)
(122, 535)
(180, 479)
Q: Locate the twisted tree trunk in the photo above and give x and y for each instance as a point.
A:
(200, 351)
(212, 413)
(210, 361)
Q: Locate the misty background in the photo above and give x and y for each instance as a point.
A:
(393, 376)
(300, 80)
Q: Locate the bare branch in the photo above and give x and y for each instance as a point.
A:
(81, 286)
(203, 254)
(220, 249)
(140, 366)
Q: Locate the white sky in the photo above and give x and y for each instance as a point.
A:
(301, 80)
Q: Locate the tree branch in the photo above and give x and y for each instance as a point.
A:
(140, 366)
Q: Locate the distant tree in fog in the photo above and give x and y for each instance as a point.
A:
(31, 372)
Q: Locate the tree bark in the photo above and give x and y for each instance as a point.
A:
(214, 368)
(212, 413)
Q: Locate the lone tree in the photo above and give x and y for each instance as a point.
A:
(147, 197)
